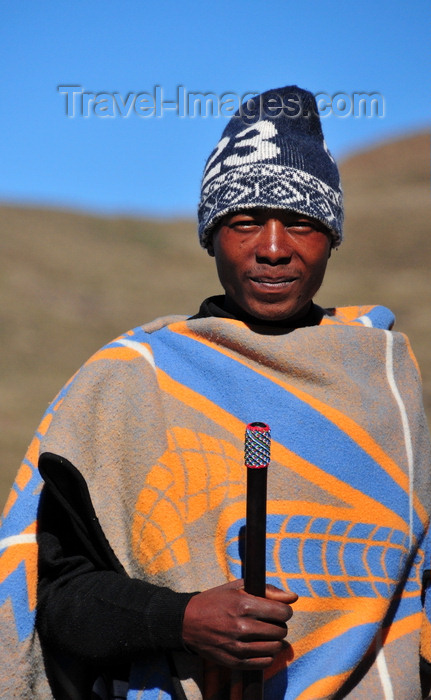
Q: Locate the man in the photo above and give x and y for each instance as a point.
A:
(141, 517)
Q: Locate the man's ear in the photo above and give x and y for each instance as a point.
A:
(210, 246)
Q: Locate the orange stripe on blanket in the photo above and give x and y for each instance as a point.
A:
(44, 424)
(117, 353)
(14, 556)
(11, 499)
(425, 645)
(400, 628)
(341, 420)
(324, 688)
(32, 454)
(23, 477)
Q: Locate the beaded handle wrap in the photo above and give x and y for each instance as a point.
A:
(257, 447)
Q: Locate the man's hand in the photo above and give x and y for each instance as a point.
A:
(235, 629)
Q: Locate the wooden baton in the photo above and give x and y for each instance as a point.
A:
(256, 458)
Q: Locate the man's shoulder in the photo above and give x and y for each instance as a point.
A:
(117, 374)
(134, 343)
(161, 322)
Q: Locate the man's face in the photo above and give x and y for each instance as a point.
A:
(271, 262)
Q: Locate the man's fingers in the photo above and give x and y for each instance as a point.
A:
(273, 593)
(265, 609)
(257, 655)
(263, 631)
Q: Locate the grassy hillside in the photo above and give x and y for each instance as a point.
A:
(71, 281)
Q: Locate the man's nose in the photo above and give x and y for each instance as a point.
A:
(273, 245)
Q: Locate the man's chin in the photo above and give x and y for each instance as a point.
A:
(275, 313)
(264, 310)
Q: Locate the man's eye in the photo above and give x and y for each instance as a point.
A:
(244, 225)
(301, 227)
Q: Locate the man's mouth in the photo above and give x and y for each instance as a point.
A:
(273, 282)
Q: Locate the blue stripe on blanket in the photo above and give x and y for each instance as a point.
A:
(23, 512)
(329, 658)
(14, 588)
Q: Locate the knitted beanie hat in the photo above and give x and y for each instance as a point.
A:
(273, 154)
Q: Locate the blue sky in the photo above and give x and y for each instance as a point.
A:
(153, 164)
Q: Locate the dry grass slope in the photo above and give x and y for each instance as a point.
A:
(71, 281)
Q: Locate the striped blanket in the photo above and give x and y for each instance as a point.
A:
(155, 423)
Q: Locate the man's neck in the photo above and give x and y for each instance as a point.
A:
(223, 307)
